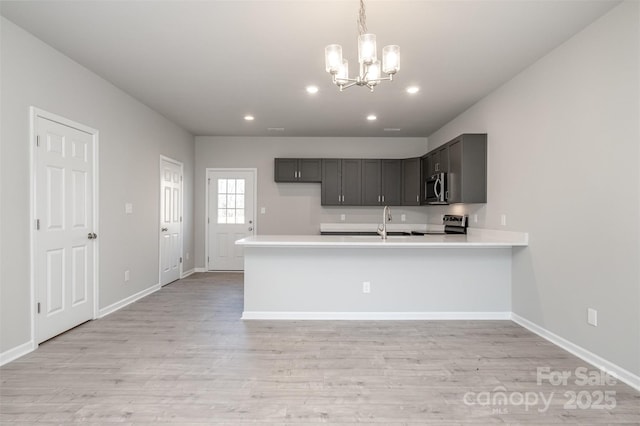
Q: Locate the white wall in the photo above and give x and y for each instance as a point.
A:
(563, 165)
(294, 208)
(132, 138)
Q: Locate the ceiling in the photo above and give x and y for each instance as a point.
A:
(207, 64)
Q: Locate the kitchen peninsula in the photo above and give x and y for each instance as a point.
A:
(366, 277)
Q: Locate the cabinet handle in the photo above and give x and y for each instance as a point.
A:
(343, 198)
(378, 198)
(383, 198)
(417, 198)
(299, 175)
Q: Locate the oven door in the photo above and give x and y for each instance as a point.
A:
(437, 189)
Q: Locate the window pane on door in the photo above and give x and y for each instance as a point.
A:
(231, 201)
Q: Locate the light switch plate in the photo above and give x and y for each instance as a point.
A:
(592, 317)
(263, 210)
(403, 217)
(128, 208)
(343, 217)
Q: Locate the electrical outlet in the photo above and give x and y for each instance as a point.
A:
(592, 317)
(263, 210)
(403, 217)
(475, 218)
(126, 275)
(343, 217)
(366, 287)
(503, 219)
(128, 208)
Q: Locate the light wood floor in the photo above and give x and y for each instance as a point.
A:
(183, 356)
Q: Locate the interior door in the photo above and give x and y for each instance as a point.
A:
(230, 216)
(64, 239)
(171, 220)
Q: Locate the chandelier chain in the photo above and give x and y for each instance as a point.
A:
(362, 19)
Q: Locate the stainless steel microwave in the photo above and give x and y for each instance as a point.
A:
(436, 189)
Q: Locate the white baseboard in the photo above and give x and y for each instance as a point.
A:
(582, 353)
(17, 352)
(127, 301)
(187, 273)
(200, 269)
(377, 316)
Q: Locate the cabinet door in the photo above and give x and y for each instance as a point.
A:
(309, 170)
(468, 169)
(443, 159)
(391, 182)
(424, 176)
(432, 162)
(411, 182)
(371, 183)
(331, 182)
(351, 182)
(454, 184)
(286, 169)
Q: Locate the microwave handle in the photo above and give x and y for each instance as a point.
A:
(435, 188)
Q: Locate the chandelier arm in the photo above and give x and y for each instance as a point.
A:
(346, 86)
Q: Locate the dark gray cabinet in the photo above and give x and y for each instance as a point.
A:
(298, 170)
(341, 182)
(411, 181)
(467, 173)
(395, 182)
(438, 160)
(381, 182)
(391, 192)
(371, 182)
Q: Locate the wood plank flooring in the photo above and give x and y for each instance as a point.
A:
(183, 356)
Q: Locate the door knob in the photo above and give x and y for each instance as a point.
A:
(164, 229)
(92, 236)
(251, 228)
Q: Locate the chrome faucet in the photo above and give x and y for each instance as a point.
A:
(386, 217)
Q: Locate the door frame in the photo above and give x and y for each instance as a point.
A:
(177, 163)
(254, 171)
(34, 113)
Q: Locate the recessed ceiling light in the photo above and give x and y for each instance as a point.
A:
(275, 129)
(371, 117)
(312, 89)
(249, 117)
(413, 89)
(391, 129)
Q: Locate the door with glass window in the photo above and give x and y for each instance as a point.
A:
(230, 217)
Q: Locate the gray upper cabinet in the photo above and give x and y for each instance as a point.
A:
(424, 175)
(298, 170)
(438, 160)
(395, 182)
(381, 182)
(391, 193)
(341, 182)
(411, 181)
(371, 182)
(467, 172)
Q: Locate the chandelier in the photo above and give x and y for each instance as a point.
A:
(370, 69)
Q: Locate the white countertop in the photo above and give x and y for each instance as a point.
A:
(479, 238)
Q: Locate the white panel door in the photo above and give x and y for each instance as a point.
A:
(64, 237)
(171, 220)
(230, 217)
